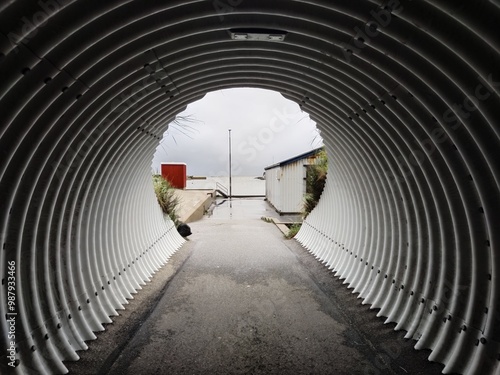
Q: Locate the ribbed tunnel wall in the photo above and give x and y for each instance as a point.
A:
(406, 95)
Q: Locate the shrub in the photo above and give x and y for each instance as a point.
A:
(167, 200)
(294, 229)
(315, 182)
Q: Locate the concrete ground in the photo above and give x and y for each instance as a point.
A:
(239, 298)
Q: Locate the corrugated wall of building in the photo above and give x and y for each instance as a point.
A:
(293, 186)
(273, 187)
(286, 186)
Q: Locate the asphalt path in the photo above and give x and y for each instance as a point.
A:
(241, 299)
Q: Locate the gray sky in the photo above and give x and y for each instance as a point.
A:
(265, 128)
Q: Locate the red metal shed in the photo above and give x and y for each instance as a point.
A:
(175, 173)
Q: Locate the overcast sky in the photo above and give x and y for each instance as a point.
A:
(265, 128)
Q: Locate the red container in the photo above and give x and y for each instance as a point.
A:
(175, 173)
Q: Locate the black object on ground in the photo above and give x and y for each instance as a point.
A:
(184, 230)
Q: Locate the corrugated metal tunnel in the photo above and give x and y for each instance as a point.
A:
(405, 93)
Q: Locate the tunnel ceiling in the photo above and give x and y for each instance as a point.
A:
(405, 94)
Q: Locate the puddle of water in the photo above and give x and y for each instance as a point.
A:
(239, 208)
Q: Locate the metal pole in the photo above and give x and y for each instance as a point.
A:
(230, 176)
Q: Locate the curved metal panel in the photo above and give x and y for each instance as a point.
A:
(405, 93)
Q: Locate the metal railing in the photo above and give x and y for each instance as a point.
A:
(222, 190)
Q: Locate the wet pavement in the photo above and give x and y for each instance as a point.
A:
(241, 299)
(249, 208)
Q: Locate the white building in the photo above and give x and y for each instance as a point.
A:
(286, 182)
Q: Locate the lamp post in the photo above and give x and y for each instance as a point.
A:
(230, 176)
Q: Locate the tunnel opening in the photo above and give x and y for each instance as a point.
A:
(252, 131)
(266, 128)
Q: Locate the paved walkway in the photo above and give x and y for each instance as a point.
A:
(247, 301)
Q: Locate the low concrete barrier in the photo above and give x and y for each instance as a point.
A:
(193, 204)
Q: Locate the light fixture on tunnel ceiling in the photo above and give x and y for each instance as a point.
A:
(258, 34)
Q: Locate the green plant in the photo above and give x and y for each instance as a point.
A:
(315, 182)
(294, 229)
(167, 199)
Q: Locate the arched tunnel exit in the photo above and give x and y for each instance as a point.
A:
(264, 128)
(405, 93)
